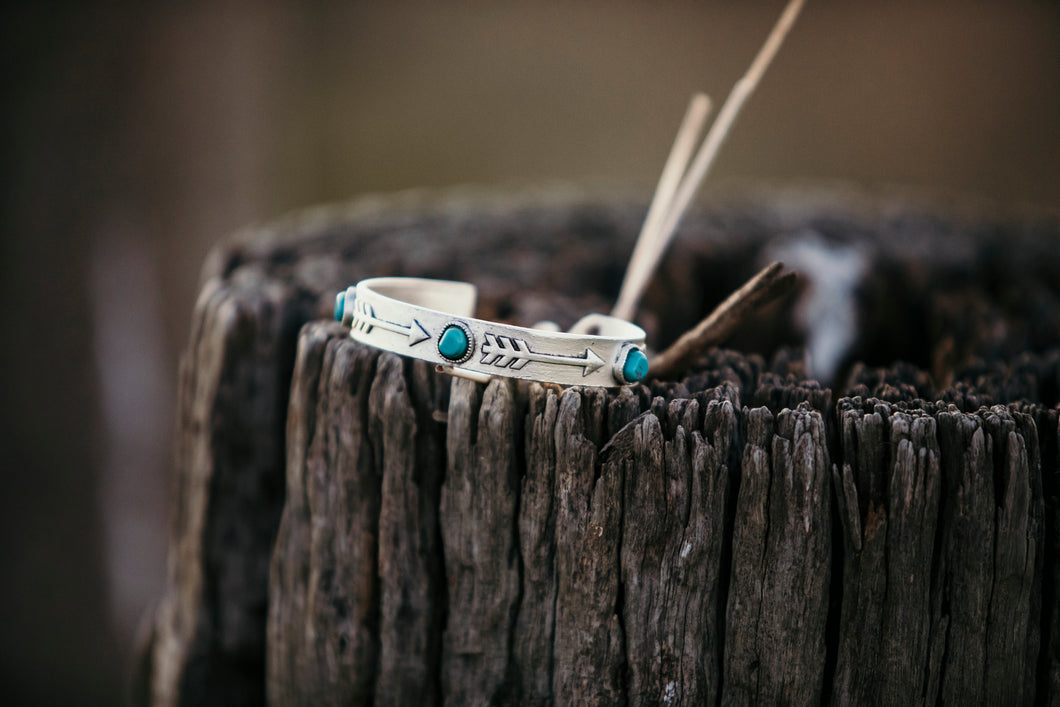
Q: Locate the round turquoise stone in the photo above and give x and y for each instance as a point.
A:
(635, 367)
(453, 344)
(340, 305)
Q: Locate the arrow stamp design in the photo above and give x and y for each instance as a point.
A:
(511, 353)
(364, 320)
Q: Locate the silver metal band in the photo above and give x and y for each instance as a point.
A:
(431, 320)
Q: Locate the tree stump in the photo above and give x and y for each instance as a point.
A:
(352, 527)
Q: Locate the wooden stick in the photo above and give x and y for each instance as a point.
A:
(767, 286)
(704, 159)
(639, 269)
(741, 91)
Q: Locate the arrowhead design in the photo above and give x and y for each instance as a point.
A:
(592, 362)
(364, 320)
(417, 334)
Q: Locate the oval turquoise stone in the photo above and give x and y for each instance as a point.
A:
(340, 305)
(453, 344)
(635, 367)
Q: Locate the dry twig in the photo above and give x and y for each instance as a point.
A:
(767, 286)
(671, 203)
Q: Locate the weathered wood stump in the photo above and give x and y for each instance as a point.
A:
(352, 527)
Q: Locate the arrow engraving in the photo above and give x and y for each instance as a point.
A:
(364, 320)
(509, 352)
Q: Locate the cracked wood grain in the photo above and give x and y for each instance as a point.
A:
(675, 513)
(886, 614)
(532, 644)
(478, 519)
(588, 663)
(779, 589)
(407, 451)
(325, 564)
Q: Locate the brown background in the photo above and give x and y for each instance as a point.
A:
(134, 137)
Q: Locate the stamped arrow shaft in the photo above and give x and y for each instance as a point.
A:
(507, 352)
(415, 331)
(557, 359)
(390, 326)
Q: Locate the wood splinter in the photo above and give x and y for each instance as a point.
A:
(769, 285)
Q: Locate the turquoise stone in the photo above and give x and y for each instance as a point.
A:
(340, 305)
(635, 367)
(453, 344)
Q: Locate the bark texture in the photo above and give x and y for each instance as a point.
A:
(352, 527)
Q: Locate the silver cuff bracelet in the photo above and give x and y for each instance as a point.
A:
(431, 320)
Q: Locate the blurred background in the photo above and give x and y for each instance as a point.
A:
(136, 135)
